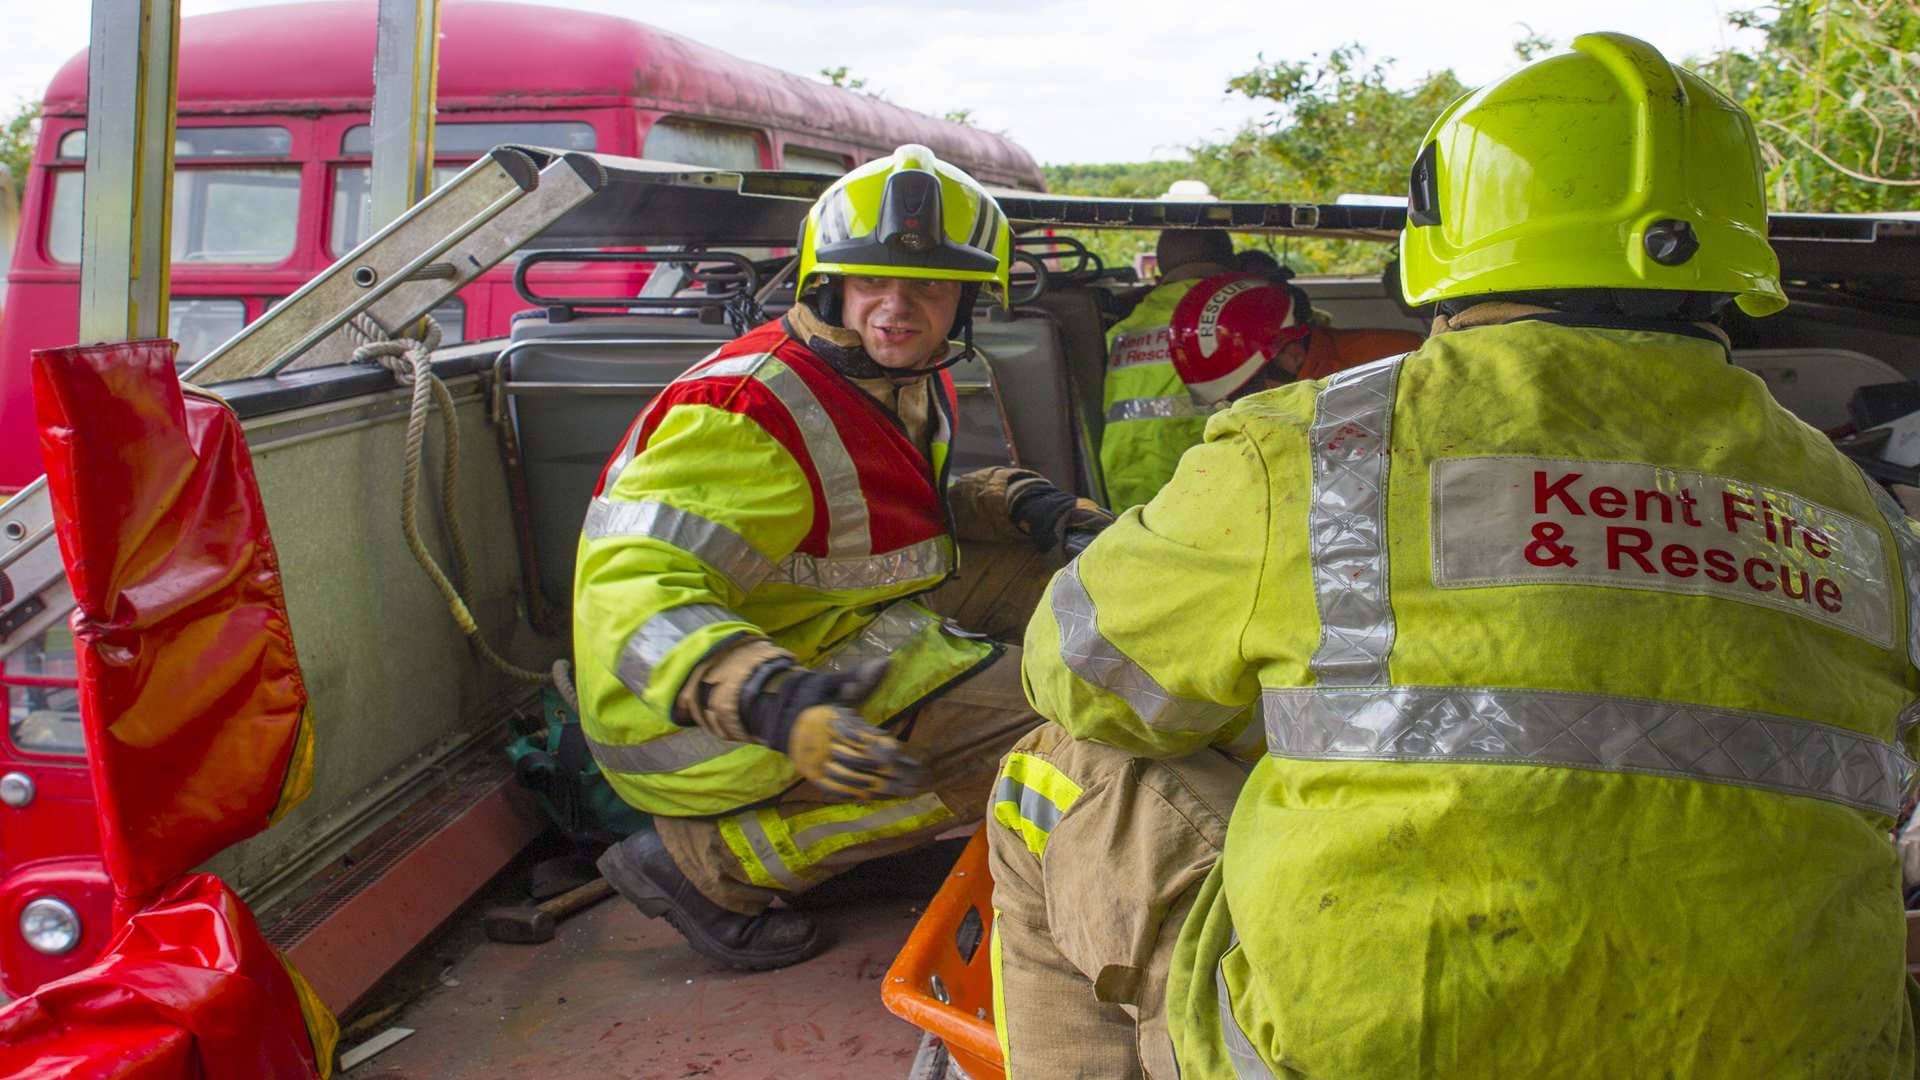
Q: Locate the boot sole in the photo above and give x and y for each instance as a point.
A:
(642, 892)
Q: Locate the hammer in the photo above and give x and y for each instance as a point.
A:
(531, 925)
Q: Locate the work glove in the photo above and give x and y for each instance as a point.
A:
(1051, 519)
(809, 716)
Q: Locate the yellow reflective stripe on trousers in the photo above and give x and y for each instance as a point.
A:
(784, 852)
(1031, 798)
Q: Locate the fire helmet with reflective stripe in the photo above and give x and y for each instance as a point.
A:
(908, 215)
(1603, 168)
(1227, 328)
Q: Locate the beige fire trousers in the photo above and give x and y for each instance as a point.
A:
(1096, 858)
(744, 861)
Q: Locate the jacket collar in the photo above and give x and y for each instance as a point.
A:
(1500, 312)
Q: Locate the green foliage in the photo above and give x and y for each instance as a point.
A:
(1338, 124)
(1835, 93)
(839, 77)
(17, 135)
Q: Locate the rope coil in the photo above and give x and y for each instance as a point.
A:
(410, 361)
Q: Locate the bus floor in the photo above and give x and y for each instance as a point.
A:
(618, 995)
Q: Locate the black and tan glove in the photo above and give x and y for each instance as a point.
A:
(809, 716)
(1051, 519)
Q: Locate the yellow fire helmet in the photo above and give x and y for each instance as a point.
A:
(1603, 168)
(909, 215)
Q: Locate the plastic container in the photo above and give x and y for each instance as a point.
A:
(942, 981)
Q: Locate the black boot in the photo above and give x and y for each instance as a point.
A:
(640, 869)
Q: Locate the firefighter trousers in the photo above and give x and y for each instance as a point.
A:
(1096, 855)
(744, 861)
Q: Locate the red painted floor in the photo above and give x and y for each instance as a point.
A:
(619, 995)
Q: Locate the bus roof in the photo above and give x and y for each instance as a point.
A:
(299, 57)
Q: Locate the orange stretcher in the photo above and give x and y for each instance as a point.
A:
(942, 981)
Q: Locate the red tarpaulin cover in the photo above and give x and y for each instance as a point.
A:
(187, 990)
(197, 728)
(195, 714)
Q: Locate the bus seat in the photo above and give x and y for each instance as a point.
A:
(571, 389)
(1034, 427)
(1816, 384)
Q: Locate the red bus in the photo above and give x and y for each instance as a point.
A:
(273, 147)
(272, 186)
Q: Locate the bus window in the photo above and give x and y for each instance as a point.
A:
(231, 216)
(202, 142)
(801, 159)
(451, 314)
(234, 214)
(201, 324)
(43, 702)
(353, 204)
(713, 146)
(352, 184)
(472, 140)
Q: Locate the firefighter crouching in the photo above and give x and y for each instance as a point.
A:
(768, 660)
(1573, 767)
(1168, 367)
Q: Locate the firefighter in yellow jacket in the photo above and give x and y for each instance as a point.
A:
(762, 659)
(1581, 666)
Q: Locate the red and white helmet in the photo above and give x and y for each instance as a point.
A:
(1227, 328)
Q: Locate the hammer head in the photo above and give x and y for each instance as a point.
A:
(519, 925)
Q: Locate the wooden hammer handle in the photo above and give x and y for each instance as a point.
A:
(575, 899)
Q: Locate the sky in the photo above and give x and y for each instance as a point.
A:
(1071, 80)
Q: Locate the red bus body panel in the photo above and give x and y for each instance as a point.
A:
(498, 62)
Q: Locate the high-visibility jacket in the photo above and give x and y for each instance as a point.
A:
(761, 493)
(1582, 665)
(1151, 419)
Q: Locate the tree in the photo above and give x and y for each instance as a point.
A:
(17, 135)
(839, 77)
(1834, 91)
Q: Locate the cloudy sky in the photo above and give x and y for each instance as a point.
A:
(1072, 80)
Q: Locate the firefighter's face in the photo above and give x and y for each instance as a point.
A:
(902, 322)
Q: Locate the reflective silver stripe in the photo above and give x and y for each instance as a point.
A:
(1247, 1062)
(926, 559)
(671, 752)
(1347, 524)
(878, 817)
(847, 532)
(1153, 408)
(1251, 740)
(1036, 809)
(704, 539)
(1908, 547)
(887, 634)
(1587, 731)
(1098, 661)
(763, 849)
(659, 635)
